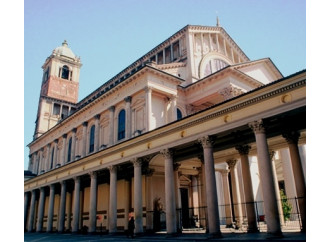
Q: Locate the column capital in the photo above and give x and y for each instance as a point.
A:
(147, 89)
(137, 162)
(74, 130)
(167, 153)
(64, 136)
(63, 183)
(257, 126)
(97, 116)
(112, 108)
(243, 149)
(128, 99)
(76, 179)
(42, 189)
(176, 166)
(48, 146)
(52, 186)
(271, 154)
(56, 141)
(85, 124)
(112, 168)
(291, 137)
(149, 171)
(206, 141)
(92, 174)
(224, 172)
(231, 163)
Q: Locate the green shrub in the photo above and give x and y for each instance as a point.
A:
(286, 206)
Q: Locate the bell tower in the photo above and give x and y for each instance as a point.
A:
(59, 88)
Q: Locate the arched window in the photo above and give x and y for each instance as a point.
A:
(65, 72)
(91, 139)
(69, 149)
(52, 159)
(179, 113)
(214, 65)
(121, 124)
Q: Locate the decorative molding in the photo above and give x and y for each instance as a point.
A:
(291, 137)
(231, 163)
(206, 142)
(257, 126)
(137, 162)
(243, 149)
(167, 153)
(230, 92)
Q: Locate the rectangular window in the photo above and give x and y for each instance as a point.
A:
(160, 58)
(168, 55)
(56, 109)
(176, 50)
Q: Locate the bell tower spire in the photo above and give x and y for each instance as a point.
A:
(59, 88)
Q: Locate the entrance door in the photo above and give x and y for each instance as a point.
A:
(185, 207)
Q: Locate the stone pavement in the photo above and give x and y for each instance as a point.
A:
(49, 237)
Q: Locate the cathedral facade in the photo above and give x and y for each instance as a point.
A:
(193, 135)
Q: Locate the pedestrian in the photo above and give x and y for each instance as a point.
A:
(131, 227)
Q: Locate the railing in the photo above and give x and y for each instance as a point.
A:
(196, 217)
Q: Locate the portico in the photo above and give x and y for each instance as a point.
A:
(126, 171)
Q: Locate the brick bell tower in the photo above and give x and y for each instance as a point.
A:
(59, 88)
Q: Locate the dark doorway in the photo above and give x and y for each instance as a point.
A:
(185, 207)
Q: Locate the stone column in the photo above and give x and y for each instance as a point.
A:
(62, 207)
(148, 98)
(76, 205)
(50, 208)
(93, 202)
(113, 200)
(211, 189)
(248, 189)
(128, 112)
(97, 133)
(32, 211)
(277, 189)
(111, 125)
(73, 145)
(235, 191)
(226, 194)
(298, 173)
(41, 209)
(84, 140)
(266, 178)
(138, 195)
(169, 192)
(178, 204)
(26, 207)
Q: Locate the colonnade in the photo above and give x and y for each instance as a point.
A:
(213, 223)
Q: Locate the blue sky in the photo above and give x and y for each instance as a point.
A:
(110, 35)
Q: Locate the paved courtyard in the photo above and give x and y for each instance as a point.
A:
(161, 237)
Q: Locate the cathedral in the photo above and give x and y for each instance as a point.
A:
(192, 136)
